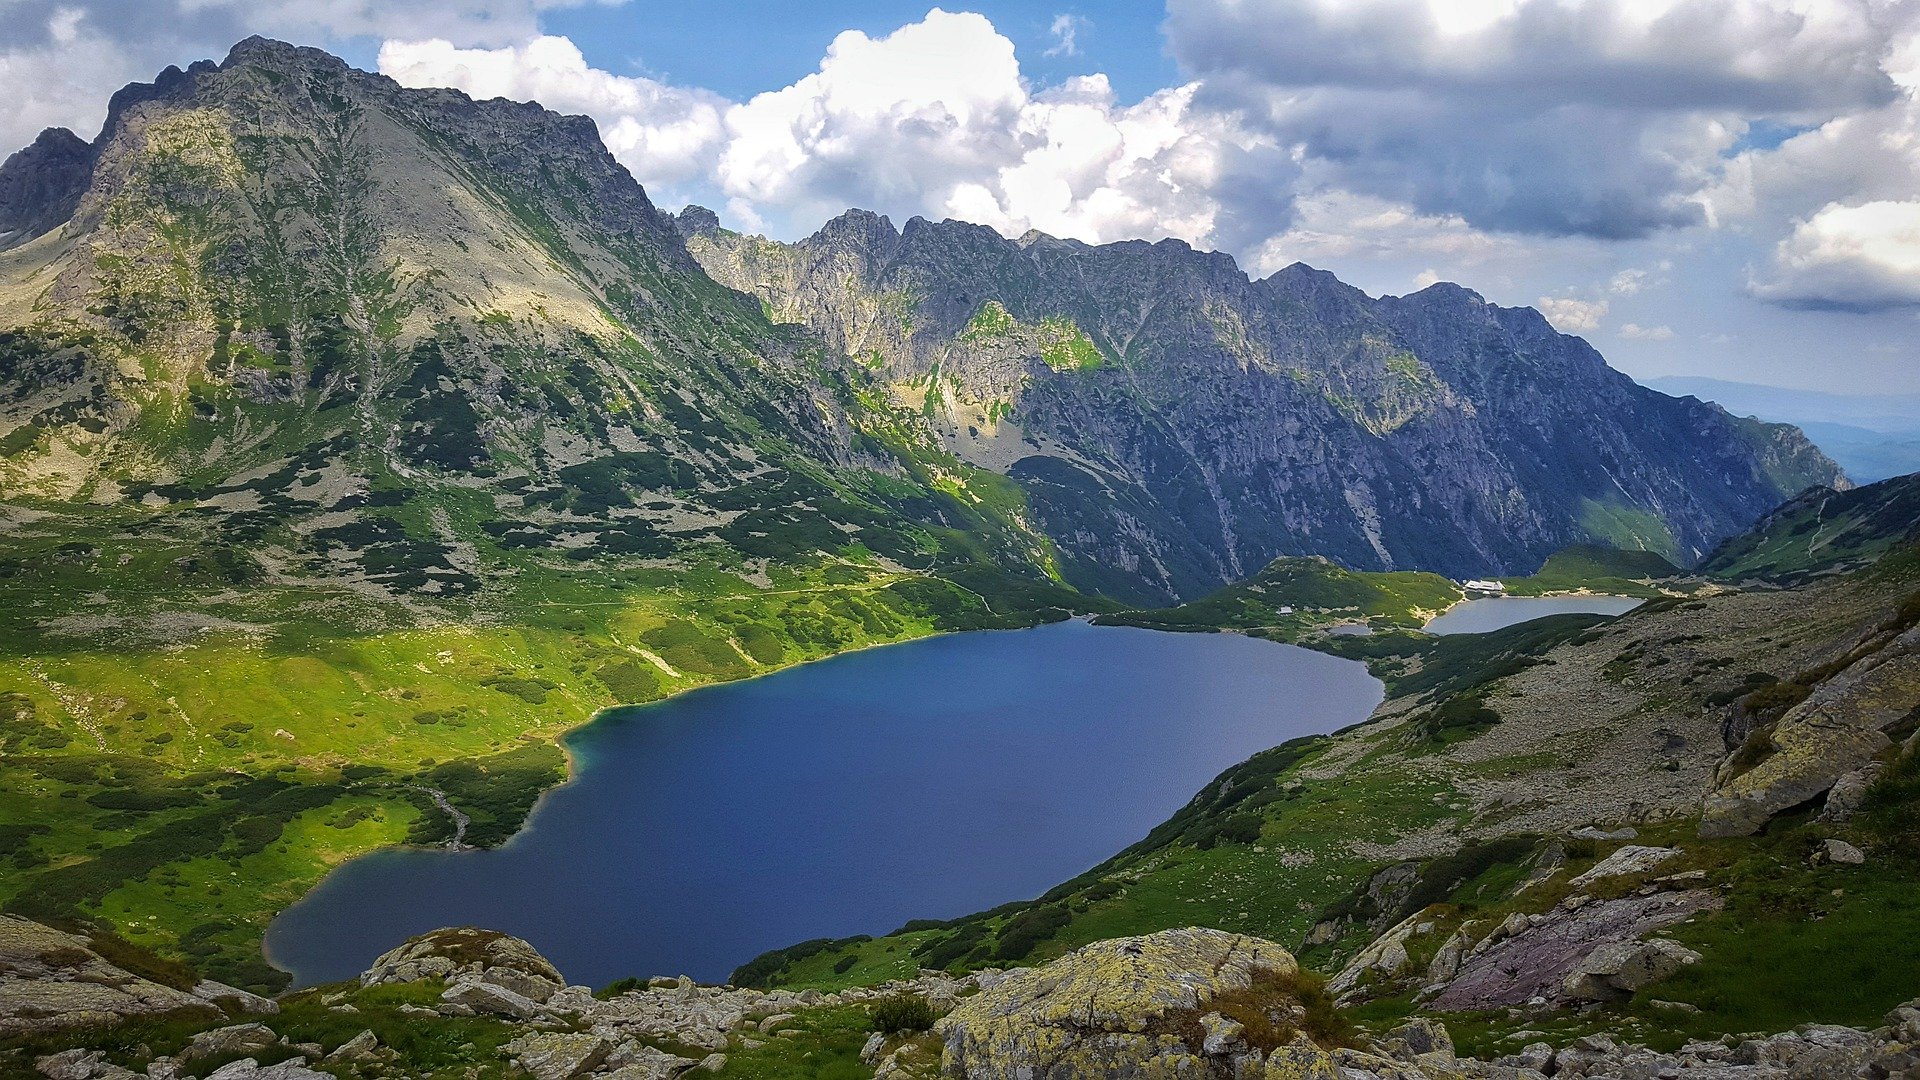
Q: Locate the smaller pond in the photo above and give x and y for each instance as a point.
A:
(1498, 612)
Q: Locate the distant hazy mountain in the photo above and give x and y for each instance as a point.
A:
(1872, 436)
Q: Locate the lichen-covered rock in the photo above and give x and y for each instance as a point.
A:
(1129, 1007)
(471, 955)
(230, 1040)
(1386, 955)
(1837, 731)
(551, 1055)
(493, 1000)
(50, 980)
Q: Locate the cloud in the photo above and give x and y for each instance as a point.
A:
(934, 119)
(666, 135)
(1572, 316)
(1854, 258)
(1627, 282)
(1066, 35)
(1636, 332)
(1603, 118)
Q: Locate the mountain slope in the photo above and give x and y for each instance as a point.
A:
(1822, 531)
(355, 443)
(1176, 425)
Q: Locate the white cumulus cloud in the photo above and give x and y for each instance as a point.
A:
(933, 119)
(1571, 315)
(666, 135)
(1861, 258)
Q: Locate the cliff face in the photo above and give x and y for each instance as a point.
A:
(1176, 424)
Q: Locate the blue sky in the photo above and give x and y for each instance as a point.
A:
(1722, 188)
(768, 45)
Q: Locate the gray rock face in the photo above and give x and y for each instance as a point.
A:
(1631, 859)
(50, 979)
(1176, 425)
(41, 185)
(1833, 735)
(558, 1055)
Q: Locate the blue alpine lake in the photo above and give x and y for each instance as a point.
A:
(1498, 612)
(922, 780)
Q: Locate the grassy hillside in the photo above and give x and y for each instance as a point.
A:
(1292, 598)
(1591, 568)
(1820, 531)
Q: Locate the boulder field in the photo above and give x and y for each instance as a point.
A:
(1192, 1003)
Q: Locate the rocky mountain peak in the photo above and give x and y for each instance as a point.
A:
(862, 229)
(41, 184)
(694, 220)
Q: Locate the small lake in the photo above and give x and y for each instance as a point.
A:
(924, 780)
(1497, 612)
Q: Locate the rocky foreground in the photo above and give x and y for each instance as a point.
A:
(1192, 1003)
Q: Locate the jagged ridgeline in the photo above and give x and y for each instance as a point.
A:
(1176, 425)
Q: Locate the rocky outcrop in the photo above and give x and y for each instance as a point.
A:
(50, 980)
(1835, 733)
(1585, 949)
(1175, 1003)
(471, 956)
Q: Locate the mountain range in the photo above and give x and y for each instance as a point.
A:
(301, 299)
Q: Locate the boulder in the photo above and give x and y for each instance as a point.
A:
(249, 1069)
(232, 1039)
(1535, 964)
(638, 1062)
(1385, 955)
(1128, 1007)
(1594, 832)
(548, 1055)
(1615, 969)
(1419, 1039)
(1848, 793)
(81, 1065)
(361, 1047)
(1631, 859)
(1840, 853)
(488, 998)
(234, 998)
(470, 955)
(50, 979)
(1299, 1060)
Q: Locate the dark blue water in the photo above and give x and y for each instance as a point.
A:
(923, 780)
